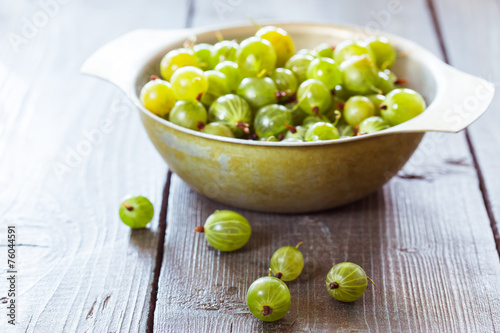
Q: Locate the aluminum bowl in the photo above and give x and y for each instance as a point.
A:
(291, 177)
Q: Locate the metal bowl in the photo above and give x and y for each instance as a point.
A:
(291, 177)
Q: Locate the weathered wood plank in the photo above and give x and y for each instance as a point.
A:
(471, 32)
(435, 270)
(71, 147)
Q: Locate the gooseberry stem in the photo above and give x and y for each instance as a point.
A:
(300, 243)
(219, 36)
(291, 128)
(199, 228)
(403, 54)
(262, 73)
(401, 81)
(255, 24)
(243, 126)
(128, 207)
(282, 94)
(198, 98)
(376, 90)
(355, 130)
(189, 42)
(338, 115)
(266, 310)
(371, 280)
(296, 106)
(270, 272)
(334, 285)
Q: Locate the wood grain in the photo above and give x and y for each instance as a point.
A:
(425, 238)
(80, 269)
(470, 35)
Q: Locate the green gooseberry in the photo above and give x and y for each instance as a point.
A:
(346, 282)
(136, 212)
(218, 129)
(203, 53)
(357, 109)
(401, 105)
(322, 131)
(372, 125)
(268, 298)
(381, 51)
(226, 230)
(189, 114)
(272, 120)
(287, 262)
(218, 85)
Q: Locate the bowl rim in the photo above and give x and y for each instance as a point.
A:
(213, 28)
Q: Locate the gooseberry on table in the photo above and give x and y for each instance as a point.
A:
(268, 298)
(346, 282)
(287, 262)
(136, 212)
(226, 230)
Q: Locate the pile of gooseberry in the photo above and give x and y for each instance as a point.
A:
(268, 298)
(261, 89)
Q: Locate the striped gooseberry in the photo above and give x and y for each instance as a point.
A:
(226, 230)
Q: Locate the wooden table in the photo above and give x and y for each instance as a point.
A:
(71, 147)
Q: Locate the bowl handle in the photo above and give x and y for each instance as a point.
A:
(460, 100)
(121, 60)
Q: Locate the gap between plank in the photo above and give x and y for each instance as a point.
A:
(480, 176)
(190, 13)
(162, 229)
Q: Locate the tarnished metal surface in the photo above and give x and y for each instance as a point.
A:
(281, 178)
